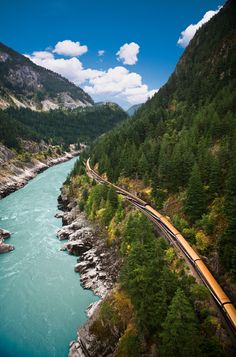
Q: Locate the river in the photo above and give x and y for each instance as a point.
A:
(41, 300)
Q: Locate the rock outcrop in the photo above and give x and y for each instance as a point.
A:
(98, 266)
(4, 248)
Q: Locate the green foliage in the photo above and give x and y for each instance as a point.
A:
(180, 335)
(149, 301)
(58, 126)
(195, 202)
(102, 204)
(128, 346)
(144, 275)
(227, 242)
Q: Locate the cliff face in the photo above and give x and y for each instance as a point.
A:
(24, 84)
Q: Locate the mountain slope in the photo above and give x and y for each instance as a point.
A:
(58, 127)
(190, 122)
(131, 111)
(24, 84)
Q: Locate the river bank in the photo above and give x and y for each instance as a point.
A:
(15, 174)
(98, 265)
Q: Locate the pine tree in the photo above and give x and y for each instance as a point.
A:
(195, 202)
(227, 241)
(180, 331)
(112, 197)
(215, 177)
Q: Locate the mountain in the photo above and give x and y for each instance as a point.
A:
(185, 137)
(57, 126)
(24, 84)
(132, 110)
(107, 104)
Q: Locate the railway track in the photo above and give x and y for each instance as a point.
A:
(223, 302)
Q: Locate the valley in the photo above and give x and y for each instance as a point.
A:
(134, 143)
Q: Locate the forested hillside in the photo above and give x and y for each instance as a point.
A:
(58, 127)
(181, 143)
(178, 152)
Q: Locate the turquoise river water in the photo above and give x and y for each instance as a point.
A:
(41, 300)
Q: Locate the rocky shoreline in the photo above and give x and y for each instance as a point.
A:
(98, 266)
(19, 175)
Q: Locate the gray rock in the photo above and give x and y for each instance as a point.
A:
(5, 248)
(98, 267)
(4, 234)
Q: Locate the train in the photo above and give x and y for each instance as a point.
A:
(218, 293)
(208, 279)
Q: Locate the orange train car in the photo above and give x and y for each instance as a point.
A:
(231, 313)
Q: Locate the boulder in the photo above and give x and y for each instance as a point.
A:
(4, 248)
(4, 233)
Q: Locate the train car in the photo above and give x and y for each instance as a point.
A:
(216, 289)
(168, 224)
(231, 313)
(153, 211)
(193, 256)
(174, 232)
(128, 194)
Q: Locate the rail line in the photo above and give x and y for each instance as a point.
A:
(179, 242)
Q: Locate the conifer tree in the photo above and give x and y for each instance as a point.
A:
(195, 202)
(228, 240)
(180, 331)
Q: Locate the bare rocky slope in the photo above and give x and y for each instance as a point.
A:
(24, 84)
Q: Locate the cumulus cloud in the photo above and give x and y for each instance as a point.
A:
(128, 53)
(116, 84)
(120, 83)
(71, 68)
(70, 48)
(43, 54)
(101, 53)
(190, 31)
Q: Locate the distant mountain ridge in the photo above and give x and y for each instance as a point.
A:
(25, 84)
(132, 110)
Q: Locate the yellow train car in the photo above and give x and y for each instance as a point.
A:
(211, 282)
(231, 313)
(187, 247)
(153, 211)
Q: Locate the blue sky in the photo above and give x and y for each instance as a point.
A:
(149, 30)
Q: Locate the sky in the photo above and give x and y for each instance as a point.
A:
(121, 51)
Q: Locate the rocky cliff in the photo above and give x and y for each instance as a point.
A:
(24, 84)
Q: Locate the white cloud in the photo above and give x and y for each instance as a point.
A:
(120, 83)
(42, 54)
(71, 68)
(101, 53)
(190, 31)
(70, 48)
(116, 84)
(128, 53)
